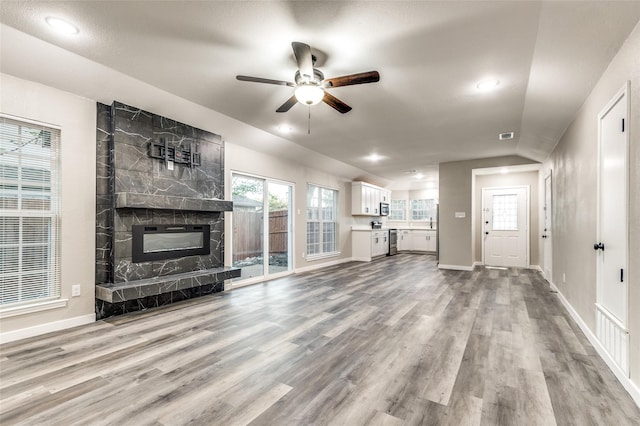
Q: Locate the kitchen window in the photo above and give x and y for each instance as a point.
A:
(322, 220)
(425, 209)
(398, 210)
(29, 212)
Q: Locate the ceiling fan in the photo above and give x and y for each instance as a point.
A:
(311, 86)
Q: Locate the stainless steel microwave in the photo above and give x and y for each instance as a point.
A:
(384, 209)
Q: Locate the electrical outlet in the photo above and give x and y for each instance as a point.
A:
(564, 278)
(75, 290)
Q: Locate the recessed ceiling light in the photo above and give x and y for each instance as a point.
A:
(504, 170)
(285, 128)
(486, 85)
(374, 157)
(419, 175)
(62, 26)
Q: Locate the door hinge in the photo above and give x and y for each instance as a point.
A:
(621, 275)
(623, 125)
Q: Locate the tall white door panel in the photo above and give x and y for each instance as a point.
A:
(505, 226)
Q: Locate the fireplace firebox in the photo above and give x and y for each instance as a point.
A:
(159, 242)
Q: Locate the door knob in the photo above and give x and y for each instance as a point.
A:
(486, 233)
(598, 246)
(544, 236)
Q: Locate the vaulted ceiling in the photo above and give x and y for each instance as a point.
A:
(426, 108)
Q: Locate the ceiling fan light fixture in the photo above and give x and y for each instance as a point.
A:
(309, 94)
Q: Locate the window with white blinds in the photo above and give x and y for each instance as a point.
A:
(29, 212)
(322, 220)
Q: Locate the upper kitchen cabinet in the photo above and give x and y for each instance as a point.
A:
(365, 199)
(385, 196)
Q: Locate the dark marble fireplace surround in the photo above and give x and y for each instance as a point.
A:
(134, 188)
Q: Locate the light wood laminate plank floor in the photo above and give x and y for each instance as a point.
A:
(391, 342)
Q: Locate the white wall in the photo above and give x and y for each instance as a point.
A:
(574, 166)
(456, 182)
(76, 116)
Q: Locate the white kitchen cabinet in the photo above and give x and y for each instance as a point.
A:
(367, 244)
(365, 199)
(404, 240)
(379, 243)
(423, 240)
(385, 196)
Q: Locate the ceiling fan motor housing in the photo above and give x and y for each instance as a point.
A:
(318, 77)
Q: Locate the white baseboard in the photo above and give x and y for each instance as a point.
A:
(23, 333)
(456, 267)
(327, 264)
(537, 268)
(361, 259)
(477, 264)
(624, 380)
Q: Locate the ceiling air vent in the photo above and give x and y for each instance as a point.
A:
(506, 136)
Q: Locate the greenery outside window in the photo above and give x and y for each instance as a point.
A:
(322, 220)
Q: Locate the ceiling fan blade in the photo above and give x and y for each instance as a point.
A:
(287, 105)
(264, 80)
(302, 52)
(349, 80)
(335, 103)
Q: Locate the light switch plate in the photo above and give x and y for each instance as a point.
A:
(461, 215)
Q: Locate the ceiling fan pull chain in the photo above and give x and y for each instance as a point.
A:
(309, 127)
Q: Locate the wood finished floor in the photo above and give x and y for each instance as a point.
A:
(388, 343)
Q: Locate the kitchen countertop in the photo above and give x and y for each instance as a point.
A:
(403, 228)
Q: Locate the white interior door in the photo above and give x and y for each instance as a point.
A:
(505, 226)
(612, 210)
(612, 230)
(546, 233)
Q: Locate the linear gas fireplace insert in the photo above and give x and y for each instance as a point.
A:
(158, 242)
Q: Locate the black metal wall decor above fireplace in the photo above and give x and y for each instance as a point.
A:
(158, 242)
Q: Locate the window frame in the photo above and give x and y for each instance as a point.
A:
(319, 219)
(26, 297)
(426, 211)
(393, 210)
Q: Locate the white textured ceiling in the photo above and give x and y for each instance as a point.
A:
(426, 108)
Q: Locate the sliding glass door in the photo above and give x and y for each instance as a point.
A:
(262, 226)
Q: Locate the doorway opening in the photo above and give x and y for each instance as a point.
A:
(505, 226)
(262, 227)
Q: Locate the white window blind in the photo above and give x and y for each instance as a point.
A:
(398, 210)
(29, 212)
(322, 220)
(424, 209)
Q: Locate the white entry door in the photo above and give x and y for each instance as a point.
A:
(506, 226)
(612, 235)
(546, 233)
